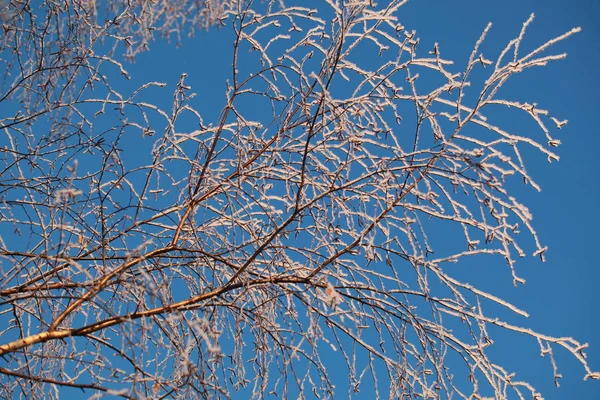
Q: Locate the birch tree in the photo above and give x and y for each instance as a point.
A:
(148, 252)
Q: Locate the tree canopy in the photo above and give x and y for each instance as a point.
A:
(148, 251)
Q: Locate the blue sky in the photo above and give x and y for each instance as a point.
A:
(560, 295)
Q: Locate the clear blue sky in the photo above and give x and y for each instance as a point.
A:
(559, 294)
